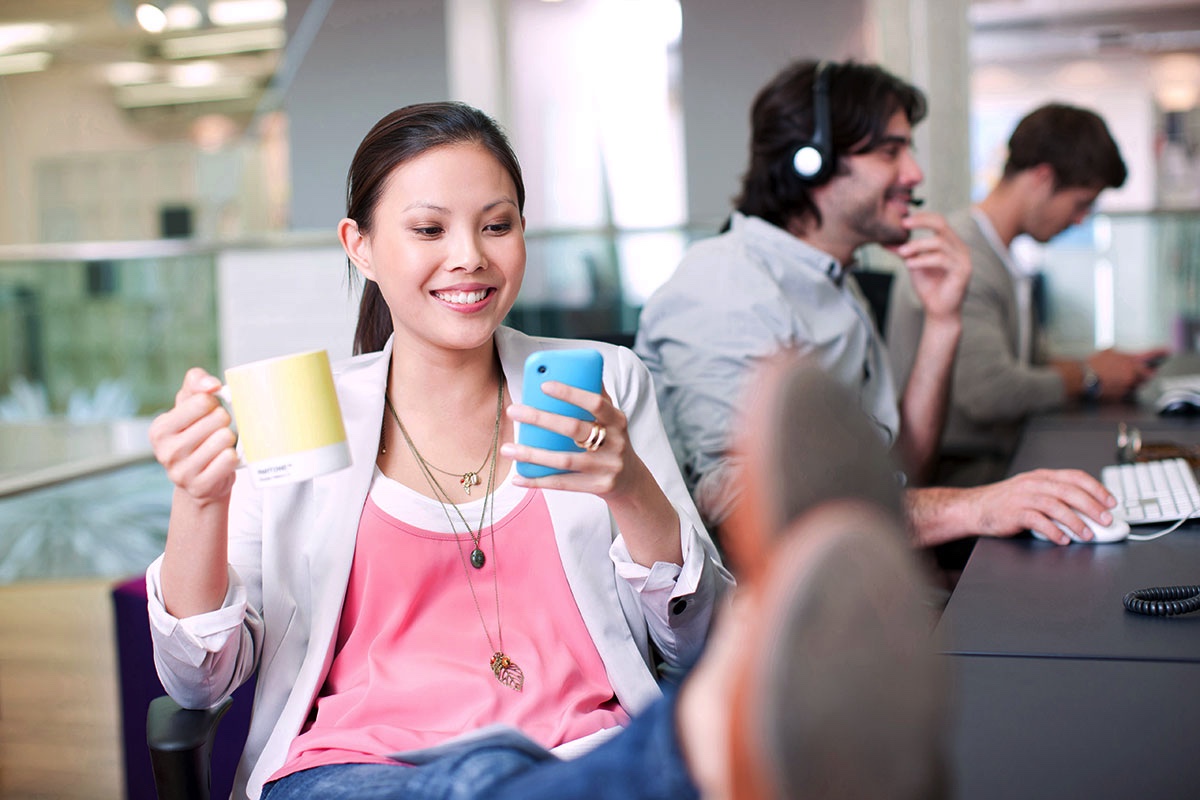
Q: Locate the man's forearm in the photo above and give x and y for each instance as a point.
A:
(938, 514)
(923, 406)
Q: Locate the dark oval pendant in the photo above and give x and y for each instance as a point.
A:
(477, 558)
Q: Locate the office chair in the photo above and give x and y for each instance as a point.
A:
(876, 286)
(181, 743)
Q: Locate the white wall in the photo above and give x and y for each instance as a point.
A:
(52, 114)
(729, 51)
(368, 57)
(274, 302)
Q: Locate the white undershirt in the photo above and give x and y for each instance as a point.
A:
(1022, 283)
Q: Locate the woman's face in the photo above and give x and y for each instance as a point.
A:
(447, 246)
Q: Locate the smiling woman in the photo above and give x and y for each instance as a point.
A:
(603, 557)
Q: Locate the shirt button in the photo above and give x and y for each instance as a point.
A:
(679, 606)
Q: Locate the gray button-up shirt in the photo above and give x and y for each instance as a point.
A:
(735, 299)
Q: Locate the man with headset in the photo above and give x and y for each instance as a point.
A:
(831, 169)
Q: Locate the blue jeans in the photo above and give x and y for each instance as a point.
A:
(642, 762)
(464, 776)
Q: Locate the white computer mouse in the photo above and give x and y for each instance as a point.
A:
(1101, 534)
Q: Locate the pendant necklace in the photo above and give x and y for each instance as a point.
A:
(478, 559)
(465, 479)
(504, 668)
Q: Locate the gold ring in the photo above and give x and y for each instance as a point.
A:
(594, 439)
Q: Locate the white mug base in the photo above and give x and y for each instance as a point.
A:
(302, 466)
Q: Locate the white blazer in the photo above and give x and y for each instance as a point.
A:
(291, 548)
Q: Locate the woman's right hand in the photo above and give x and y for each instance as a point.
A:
(193, 441)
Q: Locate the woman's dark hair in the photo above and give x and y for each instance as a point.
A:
(1075, 143)
(396, 139)
(862, 99)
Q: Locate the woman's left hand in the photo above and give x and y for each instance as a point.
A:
(610, 470)
(606, 470)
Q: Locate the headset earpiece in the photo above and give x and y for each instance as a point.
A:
(813, 160)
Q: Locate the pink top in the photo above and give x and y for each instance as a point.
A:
(411, 664)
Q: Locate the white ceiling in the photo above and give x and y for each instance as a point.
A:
(1010, 30)
(91, 34)
(88, 37)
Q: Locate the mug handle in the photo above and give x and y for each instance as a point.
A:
(226, 397)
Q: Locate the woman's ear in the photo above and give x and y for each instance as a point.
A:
(357, 247)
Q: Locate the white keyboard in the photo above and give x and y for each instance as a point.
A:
(1149, 492)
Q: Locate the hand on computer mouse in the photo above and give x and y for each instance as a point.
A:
(1115, 531)
(1032, 500)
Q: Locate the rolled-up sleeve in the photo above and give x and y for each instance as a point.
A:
(197, 657)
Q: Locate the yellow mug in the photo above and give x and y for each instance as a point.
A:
(288, 419)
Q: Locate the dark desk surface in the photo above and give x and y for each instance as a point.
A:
(1062, 728)
(1026, 597)
(1070, 695)
(1089, 441)
(1033, 598)
(1107, 416)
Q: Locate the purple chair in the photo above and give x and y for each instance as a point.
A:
(178, 761)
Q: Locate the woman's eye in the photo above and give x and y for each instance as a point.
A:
(499, 227)
(428, 230)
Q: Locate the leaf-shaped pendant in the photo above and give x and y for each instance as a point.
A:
(507, 671)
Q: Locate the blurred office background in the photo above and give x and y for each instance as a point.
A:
(171, 175)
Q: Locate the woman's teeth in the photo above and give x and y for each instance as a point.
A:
(462, 298)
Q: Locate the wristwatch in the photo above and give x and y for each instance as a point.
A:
(1091, 383)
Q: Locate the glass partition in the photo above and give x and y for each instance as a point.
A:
(102, 332)
(1125, 280)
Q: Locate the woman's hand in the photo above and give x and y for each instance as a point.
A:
(611, 471)
(606, 471)
(193, 441)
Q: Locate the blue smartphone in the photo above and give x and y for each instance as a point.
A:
(582, 368)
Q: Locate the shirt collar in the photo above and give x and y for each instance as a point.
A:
(993, 239)
(787, 250)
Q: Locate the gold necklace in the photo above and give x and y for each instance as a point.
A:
(465, 479)
(478, 559)
(506, 670)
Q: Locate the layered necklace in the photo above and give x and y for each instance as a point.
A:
(503, 667)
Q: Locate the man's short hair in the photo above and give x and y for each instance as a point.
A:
(862, 99)
(1073, 141)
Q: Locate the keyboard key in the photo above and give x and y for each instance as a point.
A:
(1148, 492)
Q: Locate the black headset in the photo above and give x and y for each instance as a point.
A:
(813, 160)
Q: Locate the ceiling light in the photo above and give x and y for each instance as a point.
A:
(196, 73)
(182, 16)
(23, 62)
(224, 43)
(125, 73)
(14, 37)
(151, 18)
(246, 12)
(166, 94)
(1176, 81)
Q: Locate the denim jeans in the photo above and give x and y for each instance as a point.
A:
(463, 776)
(643, 762)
